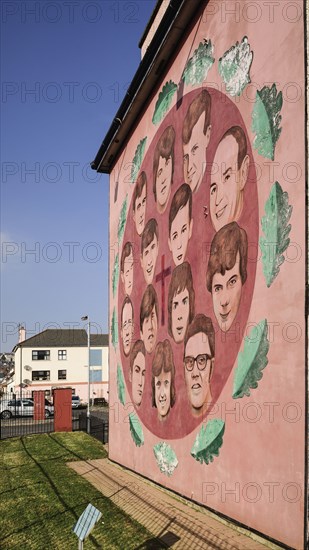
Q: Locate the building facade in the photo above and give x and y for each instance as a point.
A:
(57, 358)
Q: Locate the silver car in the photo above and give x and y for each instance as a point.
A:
(22, 407)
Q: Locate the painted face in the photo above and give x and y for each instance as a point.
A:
(149, 258)
(127, 274)
(180, 315)
(163, 182)
(163, 392)
(194, 154)
(227, 183)
(198, 381)
(226, 294)
(138, 378)
(181, 231)
(127, 328)
(149, 331)
(139, 211)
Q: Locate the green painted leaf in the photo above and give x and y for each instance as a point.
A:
(276, 230)
(120, 386)
(115, 276)
(208, 441)
(164, 101)
(266, 120)
(138, 159)
(234, 67)
(122, 218)
(136, 430)
(166, 458)
(198, 65)
(251, 361)
(114, 329)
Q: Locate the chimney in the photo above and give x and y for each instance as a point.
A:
(21, 333)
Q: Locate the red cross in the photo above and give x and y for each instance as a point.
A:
(161, 277)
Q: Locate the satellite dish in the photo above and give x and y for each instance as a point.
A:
(27, 367)
(27, 382)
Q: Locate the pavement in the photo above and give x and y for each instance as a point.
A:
(174, 521)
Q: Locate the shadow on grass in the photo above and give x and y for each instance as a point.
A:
(166, 541)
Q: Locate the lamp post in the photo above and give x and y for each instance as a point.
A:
(86, 318)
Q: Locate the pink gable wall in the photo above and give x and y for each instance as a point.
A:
(256, 468)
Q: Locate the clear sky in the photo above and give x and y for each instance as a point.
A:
(64, 70)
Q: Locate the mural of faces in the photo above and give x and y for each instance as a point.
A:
(126, 268)
(199, 362)
(228, 178)
(163, 375)
(149, 250)
(180, 223)
(139, 203)
(127, 326)
(196, 136)
(137, 371)
(226, 272)
(165, 261)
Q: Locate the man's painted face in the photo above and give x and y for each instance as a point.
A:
(149, 258)
(139, 212)
(226, 294)
(181, 230)
(180, 315)
(149, 331)
(194, 154)
(164, 182)
(227, 183)
(127, 274)
(163, 392)
(127, 328)
(138, 378)
(198, 381)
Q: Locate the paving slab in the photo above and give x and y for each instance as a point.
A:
(173, 520)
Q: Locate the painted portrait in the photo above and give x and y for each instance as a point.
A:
(137, 371)
(139, 201)
(126, 267)
(149, 313)
(181, 302)
(198, 361)
(180, 223)
(229, 175)
(163, 168)
(227, 272)
(195, 138)
(163, 379)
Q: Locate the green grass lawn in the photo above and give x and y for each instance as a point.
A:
(41, 498)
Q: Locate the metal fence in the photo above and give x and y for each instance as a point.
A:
(16, 416)
(98, 425)
(16, 419)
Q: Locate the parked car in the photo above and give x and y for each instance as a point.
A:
(22, 407)
(76, 402)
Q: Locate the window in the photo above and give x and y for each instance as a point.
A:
(40, 355)
(62, 355)
(62, 374)
(41, 375)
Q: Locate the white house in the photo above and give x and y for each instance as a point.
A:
(57, 358)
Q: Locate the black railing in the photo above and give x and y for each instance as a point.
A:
(98, 425)
(16, 421)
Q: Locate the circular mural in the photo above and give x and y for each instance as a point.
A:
(188, 263)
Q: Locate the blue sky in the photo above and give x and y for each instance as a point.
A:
(64, 70)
